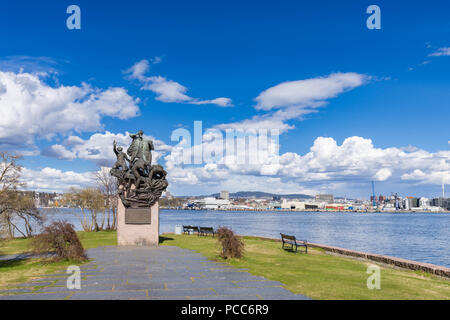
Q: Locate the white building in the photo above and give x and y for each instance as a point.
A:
(299, 205)
(406, 204)
(292, 205)
(424, 202)
(212, 203)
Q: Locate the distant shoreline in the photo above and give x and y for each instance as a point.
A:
(285, 210)
(308, 210)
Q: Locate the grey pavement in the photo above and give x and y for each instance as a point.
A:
(21, 256)
(151, 273)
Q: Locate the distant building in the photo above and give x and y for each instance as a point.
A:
(441, 202)
(37, 200)
(324, 198)
(424, 202)
(292, 205)
(169, 195)
(211, 203)
(274, 204)
(224, 195)
(413, 202)
(373, 199)
(297, 205)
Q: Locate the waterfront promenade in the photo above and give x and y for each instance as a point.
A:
(189, 267)
(420, 237)
(152, 273)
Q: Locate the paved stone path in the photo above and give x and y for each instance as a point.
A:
(142, 273)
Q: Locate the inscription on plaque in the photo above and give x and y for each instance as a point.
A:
(137, 216)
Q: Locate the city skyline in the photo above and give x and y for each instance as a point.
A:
(352, 105)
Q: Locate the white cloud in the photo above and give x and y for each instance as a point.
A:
(35, 65)
(428, 177)
(31, 109)
(383, 174)
(138, 70)
(167, 90)
(58, 151)
(99, 148)
(222, 102)
(440, 52)
(274, 120)
(72, 141)
(309, 92)
(328, 167)
(55, 180)
(294, 99)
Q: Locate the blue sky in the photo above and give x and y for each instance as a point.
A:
(237, 51)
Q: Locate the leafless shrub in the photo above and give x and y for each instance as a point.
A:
(61, 239)
(232, 246)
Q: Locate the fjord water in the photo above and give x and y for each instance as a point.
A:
(423, 237)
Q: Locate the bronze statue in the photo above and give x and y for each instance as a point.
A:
(121, 157)
(149, 180)
(141, 156)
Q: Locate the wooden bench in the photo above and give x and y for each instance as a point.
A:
(188, 229)
(289, 242)
(204, 231)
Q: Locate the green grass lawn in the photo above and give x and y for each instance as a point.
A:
(19, 271)
(320, 275)
(317, 275)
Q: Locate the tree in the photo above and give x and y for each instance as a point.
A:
(21, 206)
(171, 203)
(107, 184)
(15, 204)
(10, 171)
(91, 203)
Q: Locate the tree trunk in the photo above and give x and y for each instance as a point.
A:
(114, 213)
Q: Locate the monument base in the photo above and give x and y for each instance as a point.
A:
(137, 227)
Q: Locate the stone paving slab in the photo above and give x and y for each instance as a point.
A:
(156, 273)
(84, 288)
(257, 284)
(269, 296)
(146, 286)
(47, 280)
(229, 297)
(181, 292)
(33, 284)
(36, 296)
(93, 282)
(252, 291)
(200, 285)
(22, 290)
(111, 295)
(243, 276)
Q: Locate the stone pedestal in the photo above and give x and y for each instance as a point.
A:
(137, 227)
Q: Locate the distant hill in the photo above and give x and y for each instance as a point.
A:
(259, 194)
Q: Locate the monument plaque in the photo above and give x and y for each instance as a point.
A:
(140, 185)
(137, 216)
